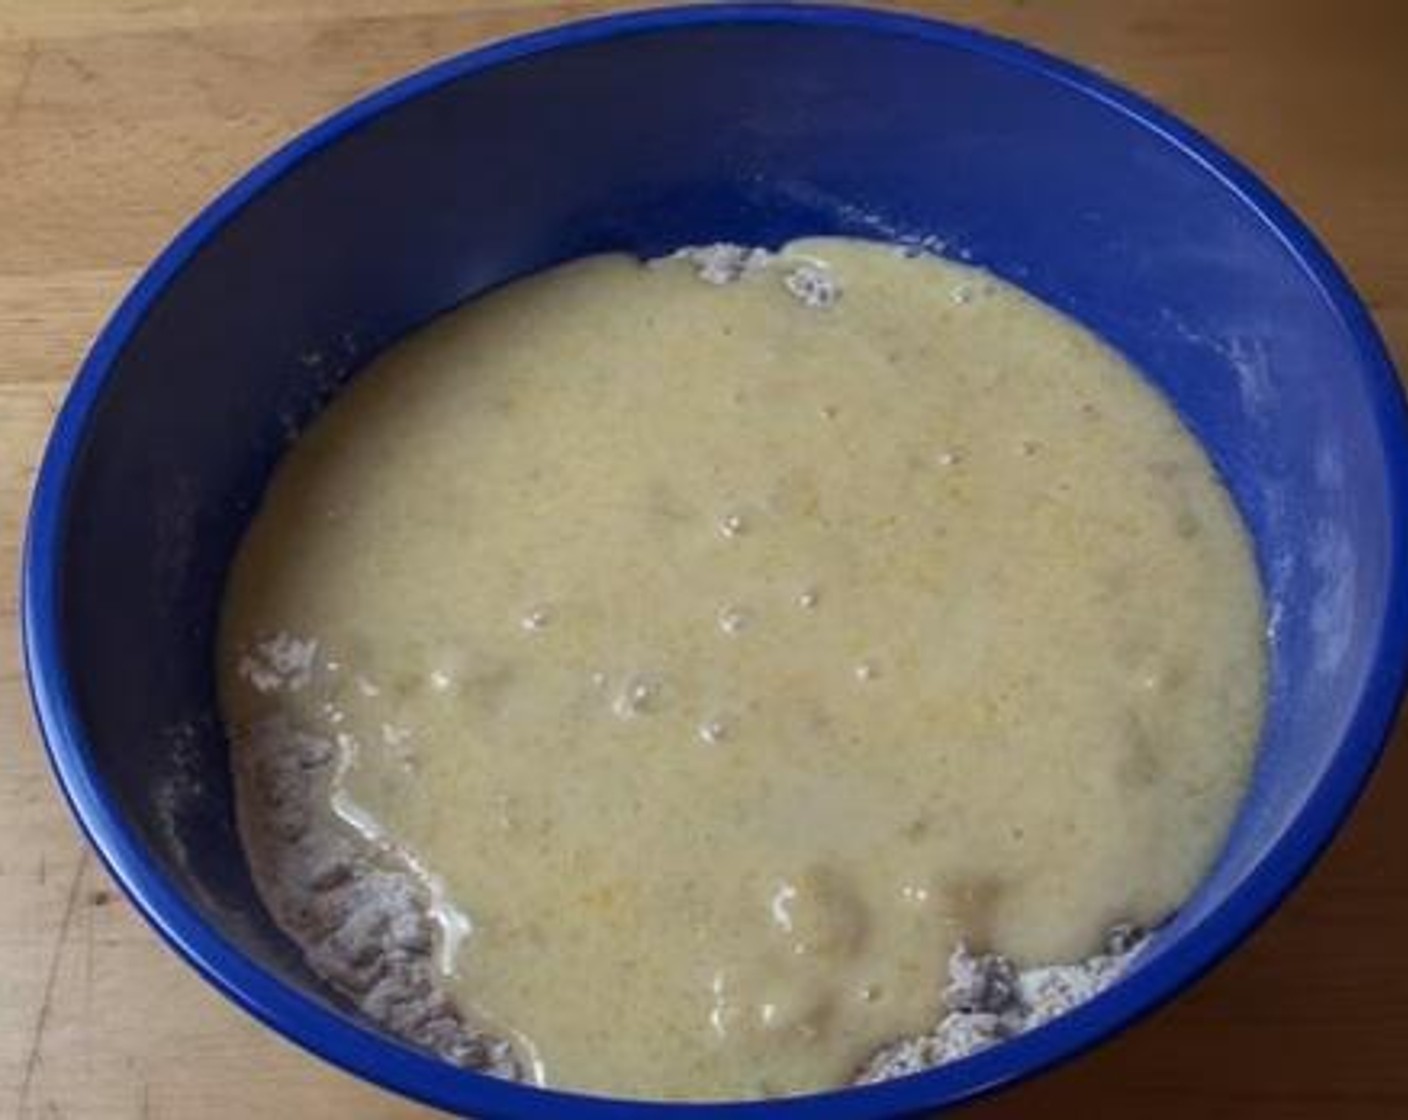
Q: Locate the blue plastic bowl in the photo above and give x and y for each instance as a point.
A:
(643, 132)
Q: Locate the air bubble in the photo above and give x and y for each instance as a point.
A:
(394, 736)
(732, 525)
(734, 620)
(781, 906)
(713, 731)
(639, 696)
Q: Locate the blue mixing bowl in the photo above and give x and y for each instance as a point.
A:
(751, 124)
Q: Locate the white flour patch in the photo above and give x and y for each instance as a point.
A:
(281, 662)
(362, 910)
(721, 263)
(811, 282)
(989, 1000)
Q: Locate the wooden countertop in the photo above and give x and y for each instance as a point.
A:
(118, 118)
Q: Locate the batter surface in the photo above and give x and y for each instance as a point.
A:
(731, 651)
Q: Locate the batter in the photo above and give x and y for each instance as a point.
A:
(731, 651)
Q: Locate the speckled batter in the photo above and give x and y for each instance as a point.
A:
(731, 652)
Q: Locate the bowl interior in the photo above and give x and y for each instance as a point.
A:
(752, 131)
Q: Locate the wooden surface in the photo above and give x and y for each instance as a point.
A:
(119, 117)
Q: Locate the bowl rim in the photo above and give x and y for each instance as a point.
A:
(362, 1051)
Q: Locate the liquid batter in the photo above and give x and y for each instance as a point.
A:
(730, 652)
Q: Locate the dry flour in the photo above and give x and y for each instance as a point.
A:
(365, 915)
(989, 1000)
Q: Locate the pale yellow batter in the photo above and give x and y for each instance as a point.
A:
(730, 658)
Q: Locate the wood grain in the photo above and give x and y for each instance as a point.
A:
(119, 117)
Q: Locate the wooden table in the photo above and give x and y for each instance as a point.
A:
(118, 118)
